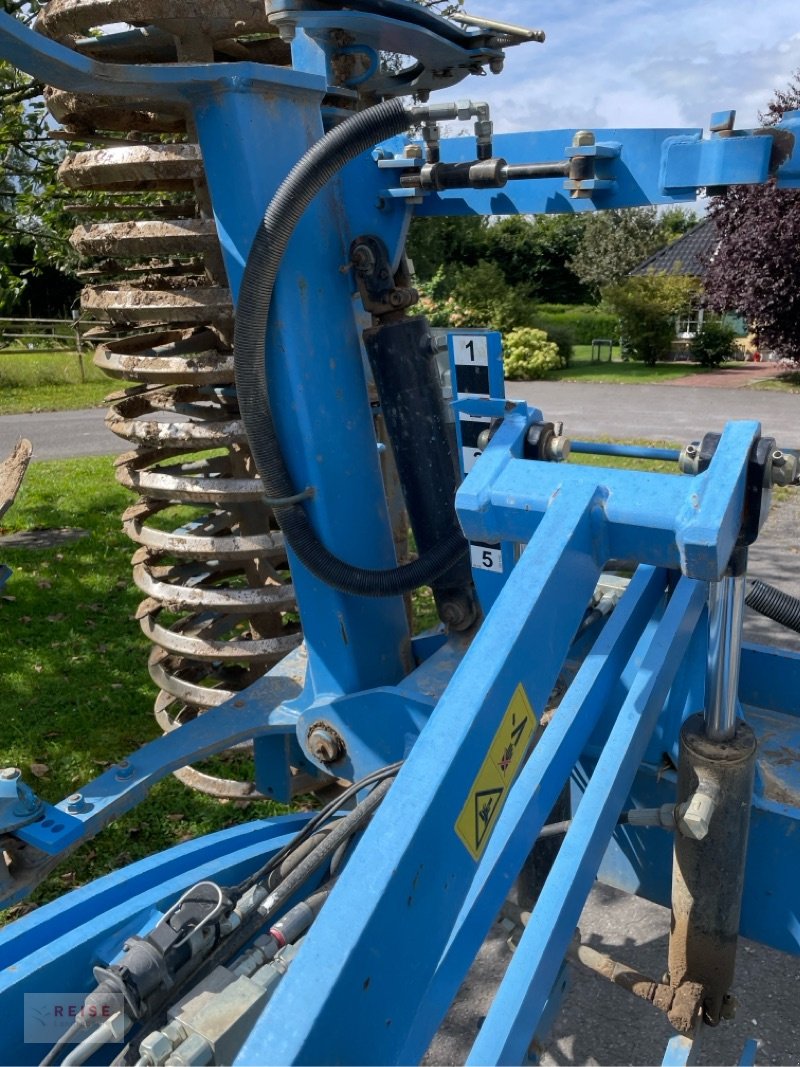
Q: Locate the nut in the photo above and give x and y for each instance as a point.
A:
(324, 743)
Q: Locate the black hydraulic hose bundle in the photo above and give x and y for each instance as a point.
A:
(308, 177)
(774, 603)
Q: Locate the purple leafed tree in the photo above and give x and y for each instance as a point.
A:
(756, 268)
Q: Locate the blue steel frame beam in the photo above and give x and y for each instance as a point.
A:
(662, 519)
(410, 861)
(589, 696)
(523, 993)
(179, 83)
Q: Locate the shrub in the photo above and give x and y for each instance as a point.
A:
(647, 307)
(714, 343)
(473, 296)
(562, 337)
(529, 355)
(583, 320)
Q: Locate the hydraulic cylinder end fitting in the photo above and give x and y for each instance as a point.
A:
(708, 869)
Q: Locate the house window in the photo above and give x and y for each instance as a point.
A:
(690, 323)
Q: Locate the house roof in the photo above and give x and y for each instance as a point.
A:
(690, 254)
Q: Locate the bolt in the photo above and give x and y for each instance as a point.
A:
(363, 259)
(9, 774)
(496, 66)
(124, 770)
(558, 449)
(325, 744)
(412, 151)
(76, 803)
(583, 138)
(287, 31)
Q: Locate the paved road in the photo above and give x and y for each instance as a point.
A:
(671, 412)
(60, 434)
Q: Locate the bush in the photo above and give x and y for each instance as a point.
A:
(529, 355)
(561, 336)
(647, 307)
(583, 320)
(714, 343)
(471, 296)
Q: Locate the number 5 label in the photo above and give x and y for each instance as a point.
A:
(486, 557)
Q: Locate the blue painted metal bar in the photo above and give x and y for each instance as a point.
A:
(659, 519)
(681, 1051)
(507, 1030)
(612, 448)
(533, 795)
(317, 386)
(55, 64)
(410, 861)
(749, 1052)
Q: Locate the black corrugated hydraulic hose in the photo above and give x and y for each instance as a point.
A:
(774, 603)
(308, 177)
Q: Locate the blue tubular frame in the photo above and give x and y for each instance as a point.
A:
(416, 898)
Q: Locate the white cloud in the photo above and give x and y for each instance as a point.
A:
(624, 63)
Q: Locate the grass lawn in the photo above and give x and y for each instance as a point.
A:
(49, 381)
(77, 695)
(581, 369)
(786, 383)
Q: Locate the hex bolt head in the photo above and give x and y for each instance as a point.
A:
(9, 774)
(324, 743)
(76, 803)
(412, 151)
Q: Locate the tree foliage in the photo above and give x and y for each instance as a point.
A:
(534, 255)
(647, 306)
(34, 227)
(756, 268)
(614, 242)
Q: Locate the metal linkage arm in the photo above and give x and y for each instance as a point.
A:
(62, 67)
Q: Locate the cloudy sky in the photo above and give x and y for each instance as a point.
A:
(641, 62)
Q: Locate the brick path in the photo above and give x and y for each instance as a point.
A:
(730, 377)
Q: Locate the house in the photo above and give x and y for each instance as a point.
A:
(688, 255)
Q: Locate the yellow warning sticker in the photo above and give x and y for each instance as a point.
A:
(488, 792)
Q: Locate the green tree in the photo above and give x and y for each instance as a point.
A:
(34, 227)
(614, 242)
(647, 306)
(446, 244)
(534, 254)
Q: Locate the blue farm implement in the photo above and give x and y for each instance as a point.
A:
(591, 619)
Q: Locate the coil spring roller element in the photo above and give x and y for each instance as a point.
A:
(343, 936)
